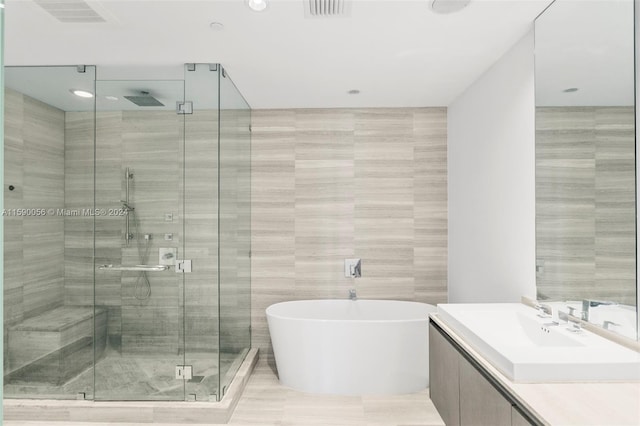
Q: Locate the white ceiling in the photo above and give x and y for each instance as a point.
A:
(397, 53)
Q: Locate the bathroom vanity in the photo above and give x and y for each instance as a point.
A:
(468, 389)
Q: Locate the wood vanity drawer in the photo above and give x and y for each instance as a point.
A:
(463, 392)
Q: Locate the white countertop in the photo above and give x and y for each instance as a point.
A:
(579, 404)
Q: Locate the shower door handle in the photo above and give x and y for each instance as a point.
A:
(139, 268)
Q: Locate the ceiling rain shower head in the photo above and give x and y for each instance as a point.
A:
(144, 100)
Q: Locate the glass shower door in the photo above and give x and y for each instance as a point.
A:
(138, 237)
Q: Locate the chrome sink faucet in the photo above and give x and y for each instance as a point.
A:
(607, 324)
(556, 315)
(352, 294)
(587, 304)
(544, 311)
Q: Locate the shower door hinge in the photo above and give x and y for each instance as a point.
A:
(184, 372)
(183, 266)
(184, 107)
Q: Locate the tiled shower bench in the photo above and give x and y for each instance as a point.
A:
(56, 345)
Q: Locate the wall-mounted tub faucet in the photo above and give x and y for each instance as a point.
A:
(352, 294)
(352, 268)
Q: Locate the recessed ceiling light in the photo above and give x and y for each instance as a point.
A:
(570, 90)
(216, 26)
(81, 93)
(353, 92)
(111, 98)
(257, 5)
(448, 6)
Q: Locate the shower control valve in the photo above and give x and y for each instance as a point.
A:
(167, 255)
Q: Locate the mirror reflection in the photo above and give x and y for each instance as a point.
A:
(585, 161)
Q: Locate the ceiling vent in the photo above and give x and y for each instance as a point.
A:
(71, 11)
(326, 8)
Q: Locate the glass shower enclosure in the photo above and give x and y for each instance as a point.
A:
(127, 261)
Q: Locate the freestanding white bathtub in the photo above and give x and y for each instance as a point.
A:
(348, 347)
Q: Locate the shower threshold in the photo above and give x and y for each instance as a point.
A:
(135, 411)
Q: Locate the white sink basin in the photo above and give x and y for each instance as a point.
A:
(528, 349)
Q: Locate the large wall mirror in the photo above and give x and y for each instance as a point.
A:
(585, 160)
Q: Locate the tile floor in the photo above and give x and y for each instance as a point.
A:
(266, 403)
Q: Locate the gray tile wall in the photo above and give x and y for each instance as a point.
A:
(340, 183)
(585, 202)
(78, 237)
(33, 246)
